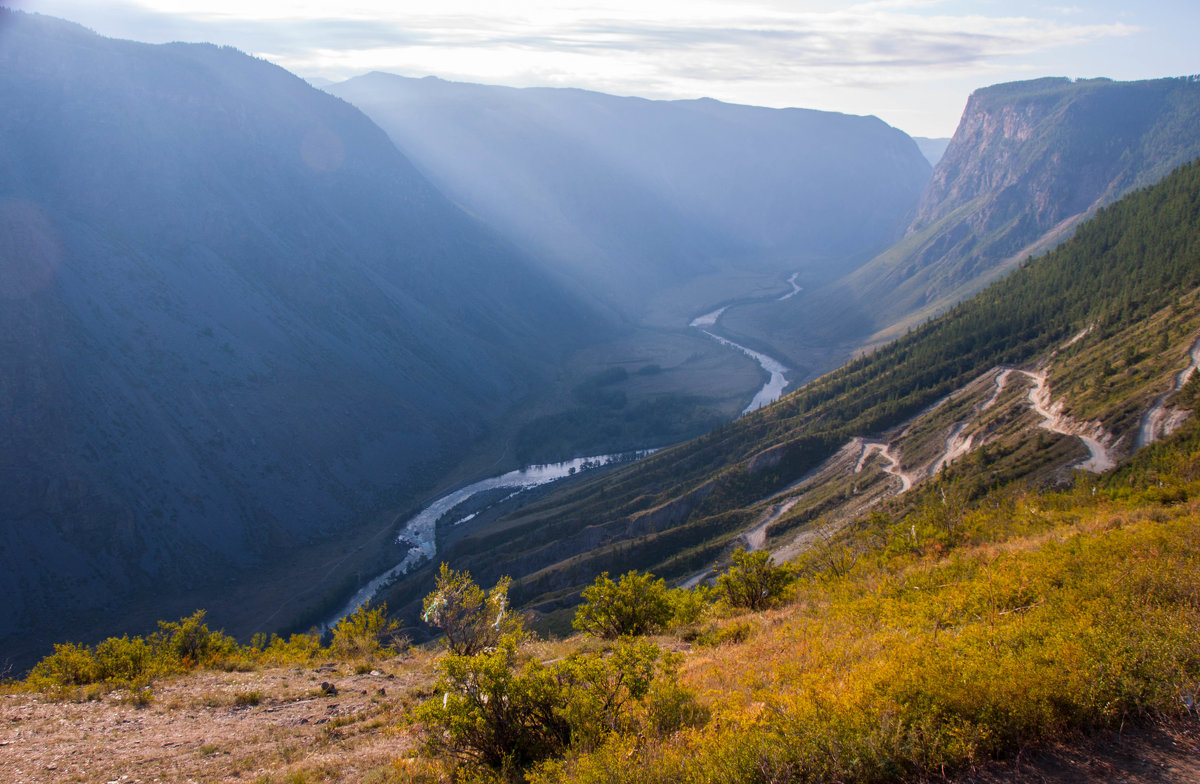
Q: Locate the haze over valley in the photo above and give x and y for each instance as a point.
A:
(279, 348)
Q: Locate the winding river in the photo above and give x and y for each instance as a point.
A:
(419, 530)
(773, 389)
(796, 287)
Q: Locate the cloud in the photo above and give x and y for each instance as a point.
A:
(778, 45)
(775, 52)
(880, 33)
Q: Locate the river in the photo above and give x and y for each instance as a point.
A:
(773, 389)
(419, 531)
(796, 287)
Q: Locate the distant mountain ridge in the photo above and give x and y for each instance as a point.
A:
(234, 320)
(629, 197)
(932, 149)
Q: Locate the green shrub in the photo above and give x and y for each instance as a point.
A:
(135, 661)
(493, 713)
(471, 620)
(688, 605)
(506, 712)
(70, 665)
(365, 633)
(600, 690)
(123, 660)
(296, 649)
(636, 605)
(189, 643)
(753, 582)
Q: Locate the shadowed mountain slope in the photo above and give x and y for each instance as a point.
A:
(234, 321)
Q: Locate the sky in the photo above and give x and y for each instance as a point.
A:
(912, 63)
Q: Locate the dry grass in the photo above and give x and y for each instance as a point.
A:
(202, 727)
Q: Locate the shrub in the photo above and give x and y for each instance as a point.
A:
(123, 660)
(753, 582)
(189, 643)
(364, 633)
(70, 665)
(296, 649)
(498, 710)
(636, 605)
(688, 605)
(471, 620)
(492, 713)
(599, 690)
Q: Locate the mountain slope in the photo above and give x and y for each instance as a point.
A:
(631, 197)
(235, 321)
(1092, 336)
(1027, 163)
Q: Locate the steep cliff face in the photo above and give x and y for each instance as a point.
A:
(1028, 162)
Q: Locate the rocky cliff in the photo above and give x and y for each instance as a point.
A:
(1028, 162)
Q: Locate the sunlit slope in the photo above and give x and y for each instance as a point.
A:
(958, 641)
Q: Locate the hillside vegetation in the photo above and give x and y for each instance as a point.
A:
(932, 640)
(922, 642)
(1124, 286)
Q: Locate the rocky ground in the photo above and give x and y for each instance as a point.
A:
(264, 726)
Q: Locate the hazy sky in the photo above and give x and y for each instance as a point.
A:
(911, 62)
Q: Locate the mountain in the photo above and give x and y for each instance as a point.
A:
(235, 322)
(1028, 162)
(975, 598)
(932, 149)
(635, 199)
(1073, 363)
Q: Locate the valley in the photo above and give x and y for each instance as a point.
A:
(776, 371)
(997, 406)
(583, 437)
(418, 532)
